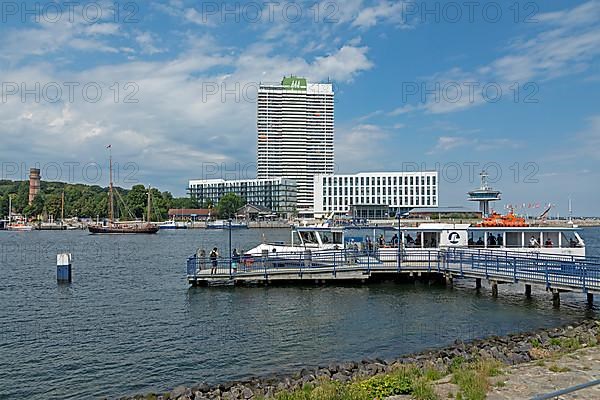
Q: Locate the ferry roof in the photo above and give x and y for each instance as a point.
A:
(525, 228)
(438, 227)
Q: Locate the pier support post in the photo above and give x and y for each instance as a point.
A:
(555, 297)
(449, 280)
(494, 289)
(477, 283)
(528, 291)
(590, 299)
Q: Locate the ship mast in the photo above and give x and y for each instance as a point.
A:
(149, 204)
(110, 187)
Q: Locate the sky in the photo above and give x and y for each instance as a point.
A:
(512, 87)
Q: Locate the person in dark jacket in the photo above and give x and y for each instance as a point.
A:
(214, 255)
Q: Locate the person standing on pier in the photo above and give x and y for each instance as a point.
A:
(214, 255)
(201, 256)
(235, 259)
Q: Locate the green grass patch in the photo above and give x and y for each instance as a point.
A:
(423, 390)
(555, 341)
(570, 343)
(473, 385)
(472, 378)
(535, 342)
(556, 368)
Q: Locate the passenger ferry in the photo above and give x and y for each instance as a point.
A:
(498, 233)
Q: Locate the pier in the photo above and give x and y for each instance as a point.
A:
(554, 273)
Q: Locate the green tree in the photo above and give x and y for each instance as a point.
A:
(137, 200)
(229, 204)
(36, 207)
(52, 205)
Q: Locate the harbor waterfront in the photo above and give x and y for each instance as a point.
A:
(130, 324)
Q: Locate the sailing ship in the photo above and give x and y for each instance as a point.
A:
(130, 227)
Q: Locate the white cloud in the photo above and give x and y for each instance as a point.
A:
(388, 11)
(146, 41)
(173, 129)
(344, 64)
(449, 143)
(562, 43)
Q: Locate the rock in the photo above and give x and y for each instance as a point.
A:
(523, 347)
(323, 373)
(270, 392)
(247, 393)
(340, 377)
(178, 391)
(203, 387)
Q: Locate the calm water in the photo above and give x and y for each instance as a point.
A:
(129, 322)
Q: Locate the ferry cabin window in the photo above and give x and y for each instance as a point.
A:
(331, 237)
(533, 239)
(495, 239)
(431, 239)
(296, 239)
(476, 239)
(568, 239)
(309, 237)
(514, 239)
(550, 239)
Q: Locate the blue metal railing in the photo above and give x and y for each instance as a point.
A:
(551, 270)
(558, 393)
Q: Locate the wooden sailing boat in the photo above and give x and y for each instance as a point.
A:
(113, 227)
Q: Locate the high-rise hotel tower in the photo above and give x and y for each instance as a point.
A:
(295, 134)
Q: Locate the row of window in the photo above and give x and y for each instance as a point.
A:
(391, 201)
(381, 191)
(366, 180)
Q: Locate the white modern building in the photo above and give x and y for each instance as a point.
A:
(278, 194)
(295, 125)
(374, 195)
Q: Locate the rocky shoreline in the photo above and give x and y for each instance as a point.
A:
(510, 350)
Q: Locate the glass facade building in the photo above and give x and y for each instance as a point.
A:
(277, 194)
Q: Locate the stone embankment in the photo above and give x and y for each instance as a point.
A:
(510, 350)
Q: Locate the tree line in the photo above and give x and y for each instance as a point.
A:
(85, 201)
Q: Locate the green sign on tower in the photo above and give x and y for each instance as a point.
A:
(294, 83)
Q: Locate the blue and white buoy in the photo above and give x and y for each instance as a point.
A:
(64, 267)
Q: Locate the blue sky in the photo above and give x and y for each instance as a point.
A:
(162, 68)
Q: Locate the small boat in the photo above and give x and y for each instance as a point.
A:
(169, 225)
(222, 224)
(17, 227)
